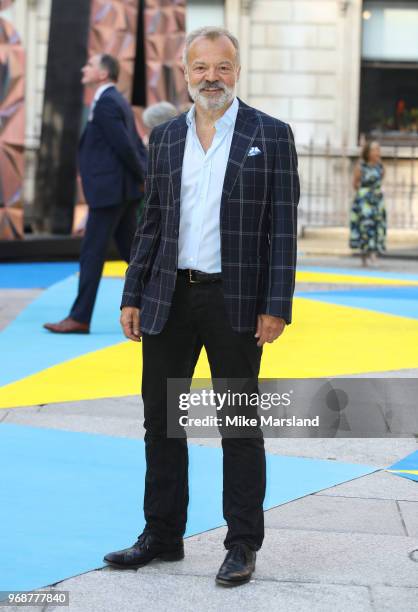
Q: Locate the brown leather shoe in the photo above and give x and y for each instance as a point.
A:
(68, 326)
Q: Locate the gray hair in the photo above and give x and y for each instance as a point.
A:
(158, 113)
(211, 32)
(111, 65)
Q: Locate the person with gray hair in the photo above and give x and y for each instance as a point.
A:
(158, 113)
(211, 33)
(212, 265)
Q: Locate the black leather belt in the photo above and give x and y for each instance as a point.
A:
(195, 276)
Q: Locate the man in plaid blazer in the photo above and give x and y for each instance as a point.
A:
(213, 265)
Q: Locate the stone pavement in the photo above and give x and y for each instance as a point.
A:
(353, 547)
(333, 241)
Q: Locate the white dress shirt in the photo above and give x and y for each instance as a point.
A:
(97, 95)
(201, 192)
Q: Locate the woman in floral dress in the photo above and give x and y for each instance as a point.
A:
(368, 213)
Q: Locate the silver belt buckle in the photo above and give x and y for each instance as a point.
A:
(190, 277)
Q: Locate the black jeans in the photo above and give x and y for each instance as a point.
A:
(198, 318)
(102, 223)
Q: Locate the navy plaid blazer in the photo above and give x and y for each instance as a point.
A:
(257, 223)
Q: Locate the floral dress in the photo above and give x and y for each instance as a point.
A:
(368, 213)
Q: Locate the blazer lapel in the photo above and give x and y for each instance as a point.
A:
(246, 127)
(176, 145)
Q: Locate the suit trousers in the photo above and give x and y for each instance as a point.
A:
(198, 318)
(102, 223)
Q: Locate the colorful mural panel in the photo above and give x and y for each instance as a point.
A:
(12, 129)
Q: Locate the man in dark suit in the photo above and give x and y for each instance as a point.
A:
(213, 265)
(112, 160)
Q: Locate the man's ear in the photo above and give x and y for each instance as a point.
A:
(238, 72)
(186, 73)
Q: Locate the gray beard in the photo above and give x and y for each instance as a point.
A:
(207, 103)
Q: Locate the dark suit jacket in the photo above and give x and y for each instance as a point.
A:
(257, 223)
(112, 157)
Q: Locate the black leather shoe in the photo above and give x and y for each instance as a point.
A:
(145, 549)
(238, 566)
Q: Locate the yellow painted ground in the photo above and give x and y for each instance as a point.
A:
(118, 268)
(325, 340)
(115, 268)
(350, 279)
(403, 471)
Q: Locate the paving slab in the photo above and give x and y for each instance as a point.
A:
(26, 608)
(379, 485)
(13, 301)
(313, 556)
(391, 599)
(109, 416)
(362, 559)
(130, 406)
(354, 261)
(121, 427)
(159, 591)
(405, 373)
(3, 415)
(409, 511)
(338, 514)
(380, 452)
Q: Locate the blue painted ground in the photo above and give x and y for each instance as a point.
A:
(34, 275)
(68, 498)
(44, 274)
(400, 301)
(408, 463)
(47, 350)
(27, 348)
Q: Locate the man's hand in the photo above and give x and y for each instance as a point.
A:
(269, 328)
(129, 319)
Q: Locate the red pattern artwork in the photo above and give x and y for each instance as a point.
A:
(113, 26)
(113, 29)
(12, 129)
(164, 40)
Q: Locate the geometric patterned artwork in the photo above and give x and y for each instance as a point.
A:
(114, 30)
(164, 29)
(12, 129)
(11, 223)
(113, 25)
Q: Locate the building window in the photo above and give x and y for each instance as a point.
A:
(389, 71)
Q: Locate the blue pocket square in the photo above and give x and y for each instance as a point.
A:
(254, 151)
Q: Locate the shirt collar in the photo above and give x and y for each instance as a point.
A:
(227, 120)
(102, 89)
